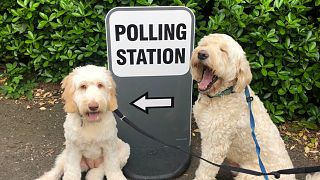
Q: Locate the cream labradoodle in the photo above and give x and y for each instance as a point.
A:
(220, 67)
(90, 128)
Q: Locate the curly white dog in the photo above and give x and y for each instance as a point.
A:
(90, 128)
(220, 67)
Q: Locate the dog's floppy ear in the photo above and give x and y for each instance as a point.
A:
(244, 75)
(67, 95)
(112, 99)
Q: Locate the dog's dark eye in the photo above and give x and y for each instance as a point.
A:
(100, 85)
(83, 86)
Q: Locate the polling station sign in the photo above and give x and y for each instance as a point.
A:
(146, 42)
(149, 50)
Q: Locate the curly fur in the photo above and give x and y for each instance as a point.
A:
(90, 128)
(224, 121)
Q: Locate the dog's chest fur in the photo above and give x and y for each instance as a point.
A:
(89, 137)
(220, 111)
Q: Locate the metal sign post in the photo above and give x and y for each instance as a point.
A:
(149, 51)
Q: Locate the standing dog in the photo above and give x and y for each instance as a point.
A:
(220, 67)
(90, 128)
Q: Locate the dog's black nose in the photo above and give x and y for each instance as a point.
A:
(202, 55)
(93, 106)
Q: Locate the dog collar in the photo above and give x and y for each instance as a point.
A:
(223, 93)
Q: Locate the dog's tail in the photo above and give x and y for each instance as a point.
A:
(315, 176)
(56, 172)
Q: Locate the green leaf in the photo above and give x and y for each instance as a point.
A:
(274, 83)
(312, 46)
(309, 35)
(69, 53)
(255, 65)
(287, 43)
(280, 23)
(273, 40)
(21, 3)
(52, 16)
(42, 24)
(264, 72)
(279, 118)
(272, 74)
(289, 17)
(52, 49)
(35, 5)
(30, 35)
(15, 19)
(14, 12)
(259, 43)
(304, 97)
(269, 65)
(29, 41)
(261, 59)
(44, 16)
(281, 92)
(266, 96)
(278, 3)
(282, 31)
(29, 15)
(46, 64)
(278, 113)
(76, 14)
(25, 2)
(63, 57)
(271, 33)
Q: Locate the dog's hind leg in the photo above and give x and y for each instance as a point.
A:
(215, 151)
(124, 152)
(96, 173)
(56, 172)
(315, 176)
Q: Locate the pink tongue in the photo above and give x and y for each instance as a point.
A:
(206, 79)
(93, 116)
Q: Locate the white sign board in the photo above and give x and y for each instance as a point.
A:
(157, 46)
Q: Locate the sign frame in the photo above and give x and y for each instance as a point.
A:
(177, 131)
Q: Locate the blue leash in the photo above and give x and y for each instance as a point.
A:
(252, 125)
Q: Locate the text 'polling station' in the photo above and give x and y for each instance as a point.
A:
(152, 33)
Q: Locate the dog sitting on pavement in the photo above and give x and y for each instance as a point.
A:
(220, 67)
(90, 128)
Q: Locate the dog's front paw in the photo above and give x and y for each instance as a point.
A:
(116, 176)
(202, 178)
(95, 174)
(71, 176)
(47, 177)
(202, 175)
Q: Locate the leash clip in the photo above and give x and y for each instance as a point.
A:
(122, 117)
(249, 99)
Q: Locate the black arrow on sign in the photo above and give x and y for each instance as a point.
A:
(144, 103)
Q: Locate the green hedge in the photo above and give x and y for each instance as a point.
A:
(41, 40)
